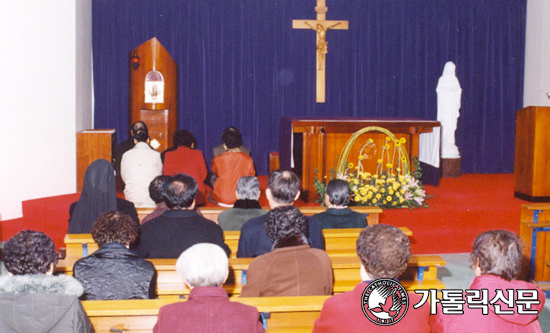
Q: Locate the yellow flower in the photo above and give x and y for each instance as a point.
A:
(384, 202)
(403, 159)
(369, 195)
(379, 161)
(387, 146)
(397, 194)
(390, 191)
(363, 191)
(356, 181)
(398, 143)
(374, 201)
(394, 203)
(398, 169)
(382, 190)
(350, 165)
(401, 200)
(388, 198)
(361, 157)
(402, 140)
(378, 196)
(371, 141)
(402, 191)
(389, 165)
(388, 139)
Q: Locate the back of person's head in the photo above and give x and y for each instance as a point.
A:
(232, 138)
(137, 126)
(180, 192)
(141, 135)
(248, 188)
(203, 265)
(99, 176)
(497, 252)
(384, 251)
(338, 192)
(285, 222)
(114, 227)
(29, 252)
(284, 186)
(184, 138)
(156, 187)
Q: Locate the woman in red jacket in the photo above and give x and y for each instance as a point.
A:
(184, 158)
(496, 259)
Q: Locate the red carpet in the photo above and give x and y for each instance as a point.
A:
(460, 209)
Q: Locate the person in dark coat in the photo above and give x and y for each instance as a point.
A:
(32, 299)
(114, 271)
(338, 215)
(181, 227)
(208, 309)
(98, 196)
(283, 188)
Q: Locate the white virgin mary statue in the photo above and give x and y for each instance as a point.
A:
(448, 105)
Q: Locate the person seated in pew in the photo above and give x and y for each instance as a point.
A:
(180, 227)
(98, 196)
(293, 268)
(283, 188)
(384, 252)
(338, 215)
(496, 259)
(246, 207)
(114, 271)
(184, 158)
(155, 192)
(32, 299)
(204, 268)
(228, 168)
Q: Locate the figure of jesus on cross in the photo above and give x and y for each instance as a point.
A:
(320, 25)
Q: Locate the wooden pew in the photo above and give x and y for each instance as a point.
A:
(283, 314)
(212, 213)
(338, 242)
(534, 231)
(420, 274)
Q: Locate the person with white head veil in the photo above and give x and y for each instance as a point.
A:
(449, 94)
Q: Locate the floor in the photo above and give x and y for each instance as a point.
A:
(458, 275)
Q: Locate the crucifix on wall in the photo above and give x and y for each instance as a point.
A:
(320, 25)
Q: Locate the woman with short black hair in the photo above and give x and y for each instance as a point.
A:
(114, 271)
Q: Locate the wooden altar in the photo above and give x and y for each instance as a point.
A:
(309, 144)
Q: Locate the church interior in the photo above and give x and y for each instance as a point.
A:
(265, 67)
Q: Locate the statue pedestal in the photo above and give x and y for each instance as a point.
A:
(451, 167)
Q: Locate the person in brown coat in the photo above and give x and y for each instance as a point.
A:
(293, 268)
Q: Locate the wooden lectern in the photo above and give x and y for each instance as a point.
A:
(532, 180)
(153, 91)
(92, 145)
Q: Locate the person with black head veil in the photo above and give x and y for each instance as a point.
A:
(98, 196)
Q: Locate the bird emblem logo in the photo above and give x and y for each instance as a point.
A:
(385, 302)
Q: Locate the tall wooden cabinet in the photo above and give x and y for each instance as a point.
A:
(532, 162)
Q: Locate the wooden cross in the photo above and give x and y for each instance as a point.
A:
(320, 25)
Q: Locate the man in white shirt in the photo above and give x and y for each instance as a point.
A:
(139, 166)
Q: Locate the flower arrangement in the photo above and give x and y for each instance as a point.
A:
(391, 185)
